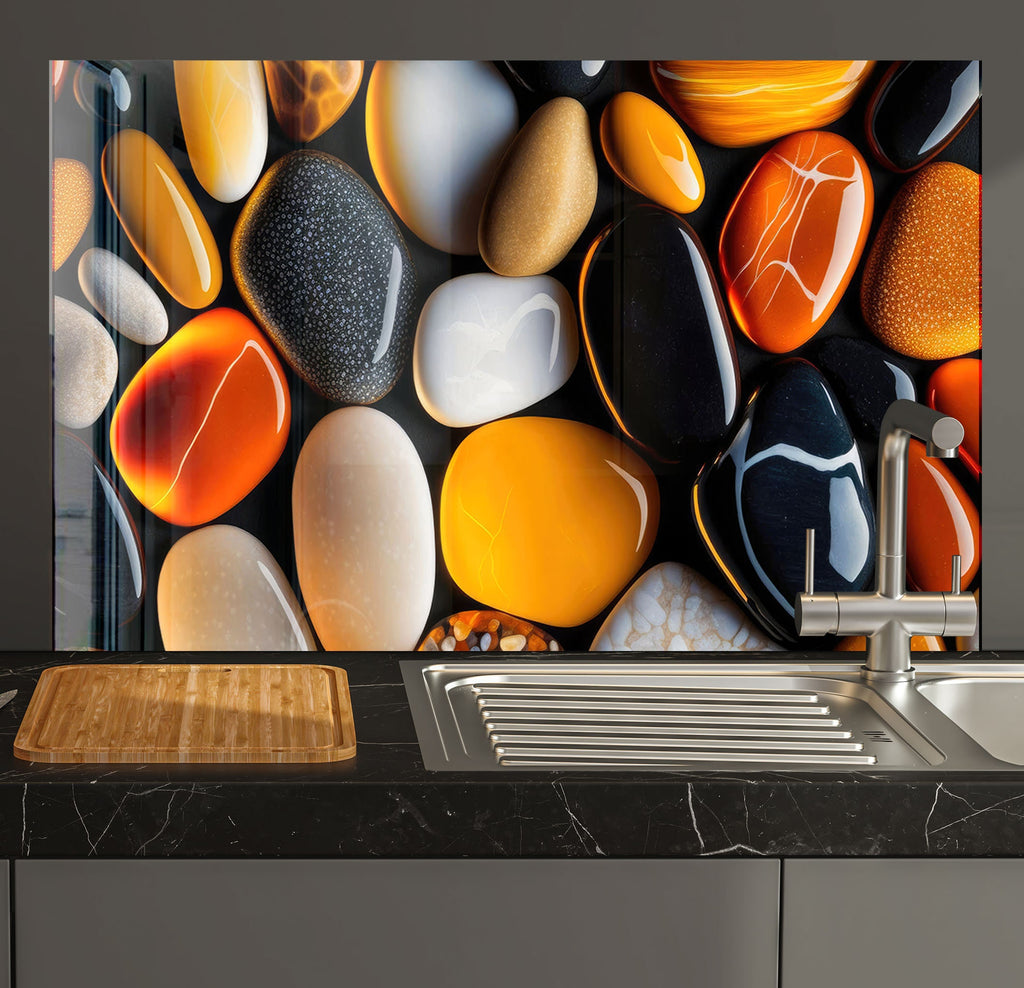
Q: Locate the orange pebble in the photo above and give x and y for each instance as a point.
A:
(651, 153)
(72, 206)
(955, 389)
(310, 96)
(203, 421)
(941, 521)
(919, 643)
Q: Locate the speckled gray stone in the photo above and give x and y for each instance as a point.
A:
(322, 265)
(120, 294)
(84, 365)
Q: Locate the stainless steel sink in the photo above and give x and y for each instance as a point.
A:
(757, 715)
(990, 710)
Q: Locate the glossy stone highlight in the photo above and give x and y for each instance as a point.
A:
(941, 522)
(161, 218)
(792, 465)
(320, 262)
(435, 132)
(99, 577)
(122, 296)
(364, 533)
(84, 365)
(546, 518)
(221, 590)
(739, 103)
(651, 153)
(72, 206)
(310, 96)
(672, 608)
(794, 236)
(955, 389)
(107, 90)
(921, 293)
(918, 107)
(558, 78)
(867, 380)
(203, 421)
(543, 192)
(223, 111)
(488, 346)
(487, 631)
(656, 335)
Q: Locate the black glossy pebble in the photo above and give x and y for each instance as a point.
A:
(550, 79)
(867, 379)
(918, 107)
(99, 576)
(108, 90)
(792, 465)
(657, 336)
(324, 269)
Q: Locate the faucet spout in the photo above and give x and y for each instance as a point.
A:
(942, 436)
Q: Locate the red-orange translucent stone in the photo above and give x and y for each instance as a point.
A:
(941, 522)
(793, 237)
(919, 643)
(204, 420)
(955, 389)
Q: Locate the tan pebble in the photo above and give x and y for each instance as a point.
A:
(513, 643)
(429, 645)
(921, 293)
(543, 193)
(84, 365)
(72, 206)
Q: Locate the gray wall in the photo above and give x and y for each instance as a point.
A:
(33, 32)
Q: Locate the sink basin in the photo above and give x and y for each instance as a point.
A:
(990, 710)
(625, 715)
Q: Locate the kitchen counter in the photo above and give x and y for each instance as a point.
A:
(384, 803)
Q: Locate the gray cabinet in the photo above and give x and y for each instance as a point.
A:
(883, 922)
(397, 923)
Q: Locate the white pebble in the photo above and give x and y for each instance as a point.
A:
(120, 294)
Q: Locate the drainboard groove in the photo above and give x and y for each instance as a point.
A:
(711, 706)
(497, 690)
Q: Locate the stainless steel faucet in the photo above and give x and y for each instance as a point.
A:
(890, 616)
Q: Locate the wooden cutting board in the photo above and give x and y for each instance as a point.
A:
(188, 713)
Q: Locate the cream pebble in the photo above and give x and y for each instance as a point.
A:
(120, 294)
(84, 365)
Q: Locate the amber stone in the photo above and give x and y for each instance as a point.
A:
(918, 643)
(543, 193)
(739, 103)
(793, 237)
(918, 107)
(942, 521)
(657, 337)
(487, 631)
(546, 518)
(311, 95)
(203, 421)
(955, 389)
(921, 293)
(651, 153)
(72, 206)
(161, 218)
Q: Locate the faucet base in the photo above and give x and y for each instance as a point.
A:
(887, 676)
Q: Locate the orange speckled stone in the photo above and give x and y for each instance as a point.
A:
(739, 103)
(921, 293)
(794, 236)
(941, 521)
(72, 206)
(161, 218)
(919, 643)
(487, 631)
(651, 153)
(310, 96)
(955, 389)
(546, 518)
(203, 421)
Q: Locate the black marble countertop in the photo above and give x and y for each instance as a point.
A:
(384, 803)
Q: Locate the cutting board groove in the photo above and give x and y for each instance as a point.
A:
(188, 713)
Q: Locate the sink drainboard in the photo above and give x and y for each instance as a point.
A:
(482, 717)
(548, 726)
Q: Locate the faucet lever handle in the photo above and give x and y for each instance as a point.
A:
(955, 562)
(809, 562)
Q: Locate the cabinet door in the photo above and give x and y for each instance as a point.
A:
(397, 924)
(938, 923)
